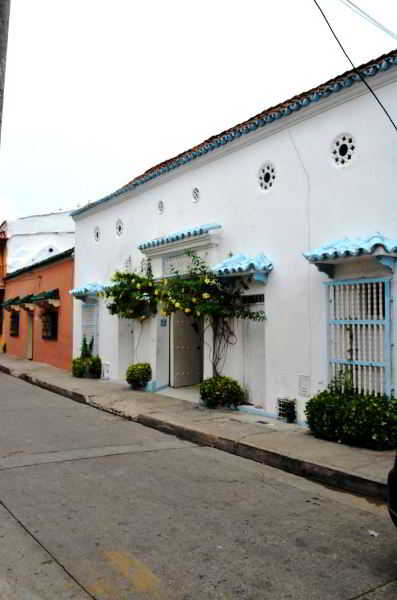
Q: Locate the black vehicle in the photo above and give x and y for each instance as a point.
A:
(392, 493)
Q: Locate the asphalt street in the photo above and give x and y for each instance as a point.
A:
(94, 506)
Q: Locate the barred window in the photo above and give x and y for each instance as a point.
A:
(50, 325)
(14, 324)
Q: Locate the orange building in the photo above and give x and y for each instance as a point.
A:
(38, 311)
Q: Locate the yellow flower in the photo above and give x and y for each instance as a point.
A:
(206, 280)
(194, 300)
(138, 285)
(187, 310)
(156, 292)
(206, 295)
(177, 305)
(150, 284)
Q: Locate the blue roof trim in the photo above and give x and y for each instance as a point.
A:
(89, 289)
(179, 235)
(268, 116)
(351, 247)
(242, 263)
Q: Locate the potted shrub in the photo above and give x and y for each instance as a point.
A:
(87, 365)
(221, 391)
(94, 367)
(78, 367)
(138, 375)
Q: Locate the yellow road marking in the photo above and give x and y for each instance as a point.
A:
(101, 587)
(137, 573)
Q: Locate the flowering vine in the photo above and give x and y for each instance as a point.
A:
(131, 295)
(197, 292)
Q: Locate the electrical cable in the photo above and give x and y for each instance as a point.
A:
(355, 68)
(368, 17)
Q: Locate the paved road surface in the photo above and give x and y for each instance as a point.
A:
(93, 506)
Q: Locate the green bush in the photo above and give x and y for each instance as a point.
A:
(221, 391)
(94, 367)
(78, 367)
(138, 375)
(353, 418)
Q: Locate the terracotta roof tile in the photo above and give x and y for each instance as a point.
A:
(283, 109)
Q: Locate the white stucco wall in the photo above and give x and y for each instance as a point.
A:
(35, 238)
(312, 202)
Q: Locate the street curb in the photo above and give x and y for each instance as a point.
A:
(6, 370)
(320, 473)
(323, 474)
(76, 396)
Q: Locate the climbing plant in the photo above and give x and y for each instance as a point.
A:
(131, 295)
(196, 292)
(200, 293)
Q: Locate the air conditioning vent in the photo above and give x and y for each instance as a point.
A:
(287, 409)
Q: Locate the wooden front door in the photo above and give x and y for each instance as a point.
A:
(186, 350)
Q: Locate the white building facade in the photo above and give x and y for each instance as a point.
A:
(34, 238)
(309, 186)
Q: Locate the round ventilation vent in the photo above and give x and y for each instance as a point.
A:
(343, 149)
(119, 227)
(196, 194)
(267, 176)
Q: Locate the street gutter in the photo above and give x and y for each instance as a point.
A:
(325, 474)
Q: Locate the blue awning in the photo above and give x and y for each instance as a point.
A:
(89, 289)
(351, 247)
(242, 264)
(189, 232)
(324, 256)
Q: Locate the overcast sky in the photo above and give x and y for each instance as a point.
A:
(98, 91)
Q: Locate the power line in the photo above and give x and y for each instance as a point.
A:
(368, 17)
(354, 67)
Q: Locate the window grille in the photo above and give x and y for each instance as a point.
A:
(285, 407)
(359, 333)
(253, 299)
(14, 324)
(50, 325)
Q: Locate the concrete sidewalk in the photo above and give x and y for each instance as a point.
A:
(287, 447)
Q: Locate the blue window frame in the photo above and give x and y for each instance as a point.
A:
(359, 332)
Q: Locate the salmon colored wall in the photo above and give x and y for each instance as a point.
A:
(54, 352)
(2, 273)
